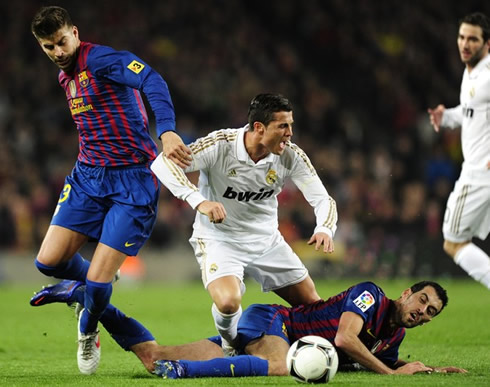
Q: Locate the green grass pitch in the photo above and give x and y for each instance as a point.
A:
(38, 345)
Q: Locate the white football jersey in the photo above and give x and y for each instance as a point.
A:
(248, 190)
(473, 116)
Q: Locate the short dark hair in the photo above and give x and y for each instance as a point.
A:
(48, 20)
(263, 107)
(478, 19)
(440, 291)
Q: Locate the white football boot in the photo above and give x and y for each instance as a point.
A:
(88, 354)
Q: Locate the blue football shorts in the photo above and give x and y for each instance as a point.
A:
(259, 320)
(115, 206)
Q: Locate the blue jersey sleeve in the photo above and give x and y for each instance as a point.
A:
(363, 299)
(125, 68)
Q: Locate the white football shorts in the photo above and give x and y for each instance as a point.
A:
(467, 213)
(271, 262)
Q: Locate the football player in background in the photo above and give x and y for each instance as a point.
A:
(111, 195)
(364, 325)
(242, 171)
(468, 206)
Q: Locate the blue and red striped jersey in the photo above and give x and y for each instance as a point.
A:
(365, 299)
(103, 94)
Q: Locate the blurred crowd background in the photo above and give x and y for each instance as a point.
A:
(360, 74)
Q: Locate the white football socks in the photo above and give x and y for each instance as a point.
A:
(226, 324)
(475, 262)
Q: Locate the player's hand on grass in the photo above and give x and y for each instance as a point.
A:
(436, 116)
(213, 210)
(413, 368)
(449, 370)
(175, 149)
(321, 238)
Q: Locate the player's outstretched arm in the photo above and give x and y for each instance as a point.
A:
(347, 340)
(175, 149)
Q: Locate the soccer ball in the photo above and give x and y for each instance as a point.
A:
(312, 359)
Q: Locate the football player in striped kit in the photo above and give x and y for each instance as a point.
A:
(468, 206)
(236, 227)
(366, 327)
(111, 194)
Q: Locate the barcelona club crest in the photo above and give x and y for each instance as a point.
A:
(271, 177)
(83, 79)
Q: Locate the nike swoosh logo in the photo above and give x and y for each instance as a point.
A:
(127, 244)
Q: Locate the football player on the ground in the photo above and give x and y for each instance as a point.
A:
(365, 326)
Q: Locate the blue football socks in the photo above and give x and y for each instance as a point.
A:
(126, 331)
(97, 296)
(244, 365)
(75, 269)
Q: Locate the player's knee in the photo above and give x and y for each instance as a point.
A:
(46, 258)
(228, 304)
(44, 268)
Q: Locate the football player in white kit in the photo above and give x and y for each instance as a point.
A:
(468, 207)
(236, 227)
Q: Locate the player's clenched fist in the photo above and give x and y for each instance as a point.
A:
(213, 210)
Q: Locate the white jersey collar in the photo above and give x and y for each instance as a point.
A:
(241, 151)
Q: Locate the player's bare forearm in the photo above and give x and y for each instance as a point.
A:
(347, 340)
(175, 149)
(215, 211)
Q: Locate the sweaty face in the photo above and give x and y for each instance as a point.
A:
(471, 45)
(418, 308)
(61, 47)
(278, 132)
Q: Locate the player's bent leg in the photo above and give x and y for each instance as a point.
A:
(303, 292)
(226, 310)
(149, 352)
(226, 294)
(59, 245)
(145, 352)
(471, 259)
(58, 255)
(104, 266)
(274, 349)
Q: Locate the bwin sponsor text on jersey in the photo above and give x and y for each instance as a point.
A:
(247, 195)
